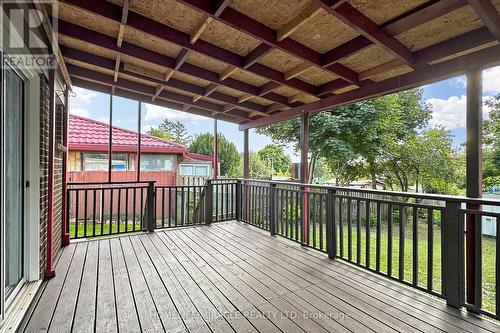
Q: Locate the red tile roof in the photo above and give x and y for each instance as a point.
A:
(193, 156)
(91, 135)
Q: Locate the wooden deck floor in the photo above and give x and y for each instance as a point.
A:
(224, 278)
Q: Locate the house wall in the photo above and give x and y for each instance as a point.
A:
(44, 169)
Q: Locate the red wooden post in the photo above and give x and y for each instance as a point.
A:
(304, 173)
(216, 152)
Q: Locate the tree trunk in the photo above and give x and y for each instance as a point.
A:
(373, 175)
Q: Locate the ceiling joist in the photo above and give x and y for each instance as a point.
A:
(489, 14)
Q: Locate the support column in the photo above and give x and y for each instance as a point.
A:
(304, 173)
(65, 229)
(110, 148)
(474, 155)
(139, 142)
(216, 152)
(246, 159)
(246, 173)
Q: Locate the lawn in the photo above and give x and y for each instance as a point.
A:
(488, 252)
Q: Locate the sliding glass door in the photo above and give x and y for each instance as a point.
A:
(13, 182)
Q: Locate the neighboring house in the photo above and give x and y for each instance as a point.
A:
(164, 161)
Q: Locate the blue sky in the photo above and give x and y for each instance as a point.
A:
(447, 99)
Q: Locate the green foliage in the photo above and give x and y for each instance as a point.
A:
(171, 130)
(275, 157)
(491, 151)
(257, 167)
(229, 157)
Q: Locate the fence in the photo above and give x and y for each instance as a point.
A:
(416, 239)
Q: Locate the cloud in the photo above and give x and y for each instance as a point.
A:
(79, 112)
(155, 112)
(491, 81)
(450, 113)
(80, 101)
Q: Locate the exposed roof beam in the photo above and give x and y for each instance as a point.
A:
(361, 23)
(117, 67)
(163, 31)
(489, 14)
(198, 30)
(143, 74)
(305, 15)
(181, 58)
(274, 107)
(54, 43)
(210, 89)
(267, 88)
(168, 75)
(422, 14)
(159, 89)
(90, 75)
(396, 63)
(265, 34)
(197, 98)
(426, 75)
(123, 22)
(244, 98)
(256, 54)
(95, 38)
(405, 22)
(297, 70)
(447, 49)
(227, 72)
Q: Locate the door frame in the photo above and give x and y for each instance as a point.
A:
(31, 175)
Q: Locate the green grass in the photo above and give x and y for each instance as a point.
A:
(103, 230)
(488, 253)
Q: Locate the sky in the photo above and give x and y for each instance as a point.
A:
(447, 99)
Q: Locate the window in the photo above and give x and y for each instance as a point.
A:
(201, 170)
(194, 170)
(99, 162)
(186, 170)
(153, 162)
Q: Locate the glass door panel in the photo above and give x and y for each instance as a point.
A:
(14, 179)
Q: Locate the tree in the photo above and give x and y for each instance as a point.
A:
(491, 150)
(229, 157)
(171, 130)
(258, 168)
(356, 135)
(275, 157)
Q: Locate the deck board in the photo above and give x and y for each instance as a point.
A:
(228, 277)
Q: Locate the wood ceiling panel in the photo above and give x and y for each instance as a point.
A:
(323, 33)
(273, 13)
(381, 11)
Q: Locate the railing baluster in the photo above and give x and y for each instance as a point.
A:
(402, 226)
(85, 215)
(368, 236)
(430, 248)
(118, 211)
(389, 240)
(378, 235)
(358, 232)
(341, 226)
(415, 247)
(126, 209)
(77, 211)
(134, 204)
(94, 209)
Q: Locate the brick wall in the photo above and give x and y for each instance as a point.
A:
(44, 168)
(58, 178)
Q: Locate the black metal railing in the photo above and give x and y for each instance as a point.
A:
(416, 239)
(102, 208)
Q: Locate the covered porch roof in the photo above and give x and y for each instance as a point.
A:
(256, 62)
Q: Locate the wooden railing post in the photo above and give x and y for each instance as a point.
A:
(272, 209)
(150, 207)
(331, 236)
(453, 254)
(209, 202)
(238, 200)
